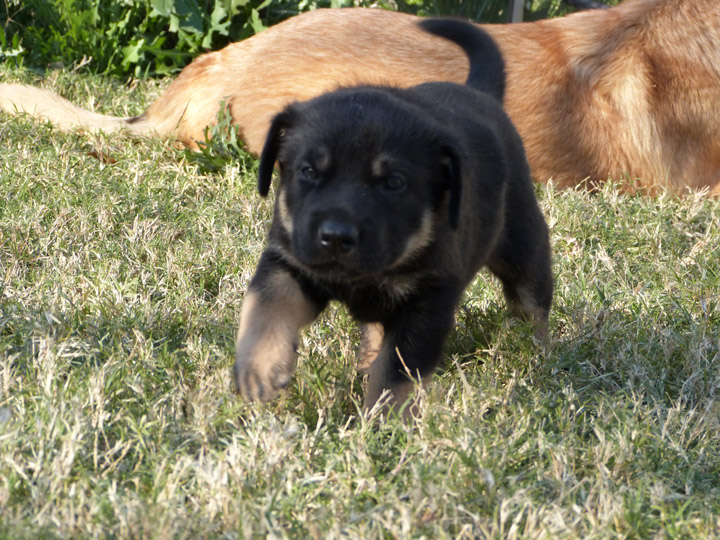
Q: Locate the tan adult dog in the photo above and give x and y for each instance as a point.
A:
(629, 93)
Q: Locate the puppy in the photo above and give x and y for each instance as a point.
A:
(629, 92)
(390, 201)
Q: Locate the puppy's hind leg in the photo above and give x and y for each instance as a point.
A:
(531, 303)
(274, 310)
(528, 285)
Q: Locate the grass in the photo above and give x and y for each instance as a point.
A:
(122, 271)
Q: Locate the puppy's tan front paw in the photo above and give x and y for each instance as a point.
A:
(265, 352)
(260, 376)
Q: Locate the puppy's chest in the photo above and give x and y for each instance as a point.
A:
(378, 298)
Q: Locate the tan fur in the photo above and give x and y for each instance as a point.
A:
(284, 212)
(58, 110)
(266, 340)
(371, 338)
(525, 306)
(625, 93)
(418, 241)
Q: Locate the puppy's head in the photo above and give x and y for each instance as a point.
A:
(365, 181)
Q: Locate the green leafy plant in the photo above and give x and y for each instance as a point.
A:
(10, 50)
(132, 37)
(493, 11)
(222, 146)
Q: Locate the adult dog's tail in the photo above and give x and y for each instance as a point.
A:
(16, 98)
(487, 68)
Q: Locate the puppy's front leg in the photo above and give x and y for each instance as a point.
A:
(411, 348)
(371, 338)
(274, 310)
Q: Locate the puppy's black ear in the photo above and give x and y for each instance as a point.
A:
(269, 155)
(452, 161)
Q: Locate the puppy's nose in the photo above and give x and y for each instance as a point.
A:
(337, 237)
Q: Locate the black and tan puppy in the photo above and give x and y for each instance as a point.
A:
(391, 200)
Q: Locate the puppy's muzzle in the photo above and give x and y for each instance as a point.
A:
(337, 238)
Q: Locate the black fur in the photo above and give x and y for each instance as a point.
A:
(366, 172)
(487, 67)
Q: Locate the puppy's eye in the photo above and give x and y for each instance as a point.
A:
(395, 183)
(309, 173)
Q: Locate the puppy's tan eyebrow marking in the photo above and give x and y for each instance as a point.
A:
(380, 165)
(321, 159)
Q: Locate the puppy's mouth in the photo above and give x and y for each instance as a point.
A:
(341, 269)
(336, 270)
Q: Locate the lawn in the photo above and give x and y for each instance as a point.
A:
(123, 264)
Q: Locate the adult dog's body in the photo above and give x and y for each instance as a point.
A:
(630, 92)
(390, 200)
